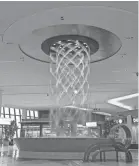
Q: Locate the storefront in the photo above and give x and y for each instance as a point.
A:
(42, 128)
(135, 130)
(34, 128)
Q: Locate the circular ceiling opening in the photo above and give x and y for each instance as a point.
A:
(51, 45)
(102, 43)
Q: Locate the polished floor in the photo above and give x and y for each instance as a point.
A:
(7, 159)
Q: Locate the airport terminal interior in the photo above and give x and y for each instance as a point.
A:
(69, 83)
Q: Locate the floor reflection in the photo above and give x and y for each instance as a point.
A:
(9, 158)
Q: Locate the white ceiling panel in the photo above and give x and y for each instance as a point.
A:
(26, 83)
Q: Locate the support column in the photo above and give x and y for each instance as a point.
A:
(24, 114)
(41, 130)
(89, 120)
(129, 124)
(1, 127)
(73, 128)
(90, 116)
(0, 101)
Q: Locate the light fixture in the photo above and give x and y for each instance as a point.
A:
(80, 108)
(120, 121)
(135, 120)
(116, 101)
(75, 91)
(103, 113)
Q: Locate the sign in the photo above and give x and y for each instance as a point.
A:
(5, 121)
(91, 124)
(135, 120)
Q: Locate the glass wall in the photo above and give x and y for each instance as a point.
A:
(30, 131)
(16, 115)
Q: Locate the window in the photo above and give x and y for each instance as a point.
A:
(31, 113)
(11, 111)
(18, 121)
(31, 131)
(18, 132)
(7, 116)
(21, 111)
(36, 114)
(28, 113)
(12, 117)
(1, 110)
(2, 116)
(6, 110)
(16, 114)
(17, 111)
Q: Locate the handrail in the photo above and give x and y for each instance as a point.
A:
(90, 149)
(121, 147)
(118, 146)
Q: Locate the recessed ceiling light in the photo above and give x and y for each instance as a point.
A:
(80, 108)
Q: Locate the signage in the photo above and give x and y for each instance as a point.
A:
(91, 124)
(135, 120)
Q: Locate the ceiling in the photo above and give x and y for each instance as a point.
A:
(25, 83)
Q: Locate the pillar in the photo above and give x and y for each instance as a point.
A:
(24, 114)
(129, 123)
(0, 102)
(41, 134)
(89, 120)
(73, 128)
(1, 128)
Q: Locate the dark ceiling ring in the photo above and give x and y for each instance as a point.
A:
(127, 132)
(93, 44)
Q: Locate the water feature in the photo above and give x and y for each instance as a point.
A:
(9, 157)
